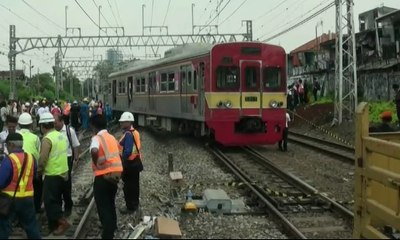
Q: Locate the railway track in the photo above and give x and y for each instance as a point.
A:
(300, 208)
(337, 150)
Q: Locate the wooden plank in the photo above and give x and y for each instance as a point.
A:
(381, 146)
(370, 232)
(362, 130)
(382, 175)
(383, 213)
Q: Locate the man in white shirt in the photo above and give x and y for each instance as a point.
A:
(285, 135)
(73, 156)
(11, 127)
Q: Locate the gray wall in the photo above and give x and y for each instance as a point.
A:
(377, 86)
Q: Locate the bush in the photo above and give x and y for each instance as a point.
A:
(376, 108)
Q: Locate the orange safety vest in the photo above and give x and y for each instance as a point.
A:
(109, 160)
(135, 152)
(25, 188)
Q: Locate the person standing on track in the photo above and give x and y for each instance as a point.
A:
(107, 169)
(53, 163)
(73, 156)
(283, 142)
(15, 167)
(32, 146)
(84, 114)
(129, 149)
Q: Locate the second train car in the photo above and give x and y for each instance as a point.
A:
(232, 92)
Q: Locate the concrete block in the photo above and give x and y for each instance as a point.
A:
(217, 201)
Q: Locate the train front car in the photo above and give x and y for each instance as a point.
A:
(246, 97)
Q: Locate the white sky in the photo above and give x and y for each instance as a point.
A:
(269, 17)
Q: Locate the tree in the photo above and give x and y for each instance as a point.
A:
(103, 69)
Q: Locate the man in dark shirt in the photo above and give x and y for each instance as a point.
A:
(386, 118)
(75, 109)
(397, 99)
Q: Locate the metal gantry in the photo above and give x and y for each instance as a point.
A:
(345, 62)
(22, 44)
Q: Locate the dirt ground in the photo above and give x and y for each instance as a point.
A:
(317, 120)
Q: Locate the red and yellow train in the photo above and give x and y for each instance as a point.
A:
(233, 92)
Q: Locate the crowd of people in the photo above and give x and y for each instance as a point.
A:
(39, 145)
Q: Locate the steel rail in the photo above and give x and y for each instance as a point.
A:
(259, 192)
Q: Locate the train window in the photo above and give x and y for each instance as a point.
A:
(164, 82)
(252, 77)
(272, 77)
(143, 85)
(251, 51)
(171, 82)
(195, 80)
(189, 76)
(227, 77)
(121, 87)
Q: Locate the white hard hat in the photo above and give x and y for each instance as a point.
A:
(25, 119)
(27, 104)
(46, 118)
(127, 117)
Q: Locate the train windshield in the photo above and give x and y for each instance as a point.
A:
(272, 78)
(228, 77)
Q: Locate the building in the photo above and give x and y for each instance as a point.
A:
(377, 50)
(114, 56)
(314, 59)
(378, 53)
(5, 75)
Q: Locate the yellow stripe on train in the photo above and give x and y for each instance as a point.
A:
(249, 99)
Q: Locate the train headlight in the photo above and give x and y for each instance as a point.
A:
(228, 104)
(273, 104)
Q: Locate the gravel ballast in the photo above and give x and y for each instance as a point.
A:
(197, 166)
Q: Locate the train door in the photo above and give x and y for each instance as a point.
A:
(200, 87)
(251, 85)
(130, 90)
(151, 90)
(184, 89)
(114, 92)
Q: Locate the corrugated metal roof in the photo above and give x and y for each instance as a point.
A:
(312, 44)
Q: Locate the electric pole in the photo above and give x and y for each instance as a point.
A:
(345, 63)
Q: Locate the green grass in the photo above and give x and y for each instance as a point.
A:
(376, 108)
(322, 101)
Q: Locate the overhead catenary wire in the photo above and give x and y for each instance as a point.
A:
(295, 20)
(44, 16)
(219, 12)
(152, 10)
(223, 21)
(301, 22)
(166, 13)
(87, 14)
(23, 19)
(112, 11)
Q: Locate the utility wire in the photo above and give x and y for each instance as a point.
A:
(215, 16)
(152, 9)
(295, 20)
(112, 11)
(165, 17)
(233, 12)
(87, 14)
(23, 19)
(44, 16)
(101, 13)
(270, 10)
(119, 15)
(301, 22)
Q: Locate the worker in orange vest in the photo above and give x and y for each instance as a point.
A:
(17, 171)
(129, 148)
(107, 169)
